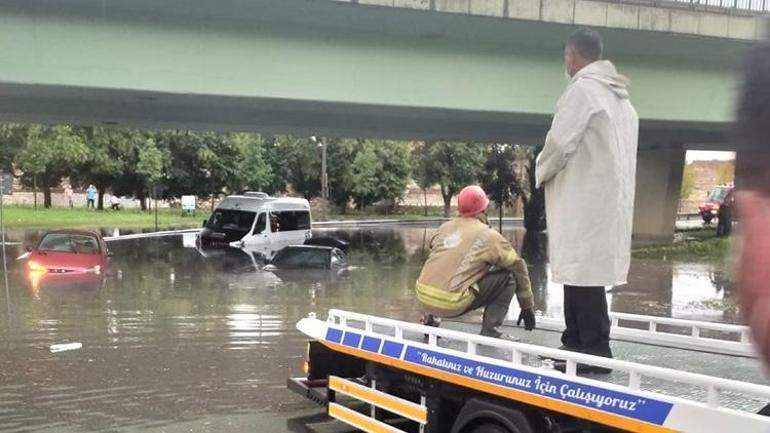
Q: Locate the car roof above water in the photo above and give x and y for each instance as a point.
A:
(256, 202)
(72, 232)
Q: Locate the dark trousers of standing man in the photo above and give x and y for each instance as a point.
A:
(725, 223)
(587, 320)
(495, 291)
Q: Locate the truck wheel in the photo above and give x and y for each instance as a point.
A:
(489, 428)
(491, 416)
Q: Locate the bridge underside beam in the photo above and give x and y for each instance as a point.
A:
(142, 109)
(334, 68)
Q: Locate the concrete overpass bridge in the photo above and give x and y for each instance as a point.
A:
(481, 70)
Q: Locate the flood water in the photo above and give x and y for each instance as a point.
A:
(175, 339)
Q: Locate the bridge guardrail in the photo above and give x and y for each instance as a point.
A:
(745, 6)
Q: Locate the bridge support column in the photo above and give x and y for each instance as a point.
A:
(658, 183)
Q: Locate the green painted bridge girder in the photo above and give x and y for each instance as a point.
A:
(324, 67)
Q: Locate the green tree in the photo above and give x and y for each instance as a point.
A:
(139, 162)
(726, 173)
(422, 173)
(392, 169)
(450, 165)
(498, 178)
(303, 163)
(48, 155)
(688, 182)
(364, 174)
(12, 140)
(149, 166)
(150, 162)
(274, 158)
(339, 154)
(203, 163)
(109, 153)
(253, 172)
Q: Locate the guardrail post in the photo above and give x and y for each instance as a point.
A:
(745, 337)
(713, 397)
(571, 367)
(653, 327)
(516, 357)
(695, 332)
(472, 346)
(373, 408)
(424, 403)
(634, 380)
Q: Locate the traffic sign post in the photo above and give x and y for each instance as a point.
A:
(6, 183)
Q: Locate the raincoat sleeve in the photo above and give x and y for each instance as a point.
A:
(570, 122)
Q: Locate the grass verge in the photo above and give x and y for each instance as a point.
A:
(693, 248)
(55, 218)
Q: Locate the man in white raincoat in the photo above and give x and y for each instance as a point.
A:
(588, 169)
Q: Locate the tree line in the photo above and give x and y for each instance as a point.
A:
(130, 162)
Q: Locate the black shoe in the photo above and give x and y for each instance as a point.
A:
(562, 347)
(429, 320)
(582, 368)
(499, 335)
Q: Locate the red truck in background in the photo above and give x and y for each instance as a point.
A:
(710, 208)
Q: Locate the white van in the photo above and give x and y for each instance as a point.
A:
(256, 219)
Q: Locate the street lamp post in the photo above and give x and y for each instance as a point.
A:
(324, 179)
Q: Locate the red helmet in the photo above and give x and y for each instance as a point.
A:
(471, 201)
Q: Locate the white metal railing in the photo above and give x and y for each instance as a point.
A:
(120, 237)
(696, 335)
(694, 325)
(637, 372)
(725, 6)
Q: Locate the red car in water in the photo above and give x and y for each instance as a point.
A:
(68, 252)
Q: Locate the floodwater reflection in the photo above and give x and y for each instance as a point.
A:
(175, 338)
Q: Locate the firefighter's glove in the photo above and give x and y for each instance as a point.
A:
(528, 316)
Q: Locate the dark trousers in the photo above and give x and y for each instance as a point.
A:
(587, 320)
(496, 289)
(725, 223)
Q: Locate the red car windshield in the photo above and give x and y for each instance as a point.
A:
(718, 195)
(69, 243)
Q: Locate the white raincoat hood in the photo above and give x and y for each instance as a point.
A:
(604, 72)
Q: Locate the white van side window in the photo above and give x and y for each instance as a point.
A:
(292, 220)
(261, 225)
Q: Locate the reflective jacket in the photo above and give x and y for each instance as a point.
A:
(461, 252)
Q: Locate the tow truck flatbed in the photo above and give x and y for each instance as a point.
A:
(637, 396)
